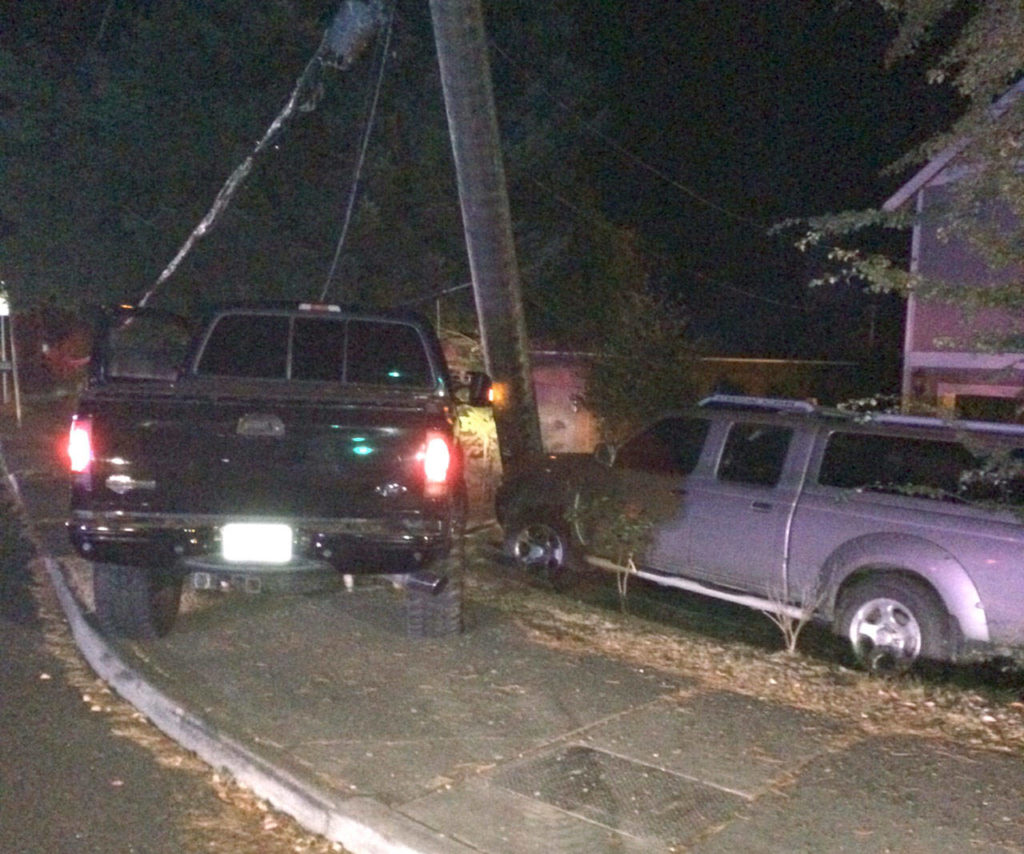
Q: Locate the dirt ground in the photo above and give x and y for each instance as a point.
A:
(737, 649)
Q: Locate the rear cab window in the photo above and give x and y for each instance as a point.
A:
(254, 346)
(144, 344)
(390, 354)
(317, 349)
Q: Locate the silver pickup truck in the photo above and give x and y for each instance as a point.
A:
(903, 533)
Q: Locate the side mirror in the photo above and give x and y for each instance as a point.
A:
(478, 389)
(605, 454)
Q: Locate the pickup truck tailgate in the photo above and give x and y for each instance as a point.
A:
(233, 456)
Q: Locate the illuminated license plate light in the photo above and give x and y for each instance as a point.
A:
(256, 542)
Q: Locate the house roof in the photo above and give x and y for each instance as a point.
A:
(926, 174)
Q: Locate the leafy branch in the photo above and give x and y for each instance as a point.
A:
(791, 619)
(615, 533)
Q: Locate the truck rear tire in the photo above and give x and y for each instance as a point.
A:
(892, 622)
(431, 615)
(134, 602)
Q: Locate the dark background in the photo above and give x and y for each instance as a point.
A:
(647, 142)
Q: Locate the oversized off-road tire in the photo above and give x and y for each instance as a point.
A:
(539, 543)
(892, 622)
(135, 602)
(431, 615)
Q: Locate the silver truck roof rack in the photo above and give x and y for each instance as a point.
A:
(771, 404)
(793, 405)
(934, 422)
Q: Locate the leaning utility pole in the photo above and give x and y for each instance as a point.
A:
(473, 126)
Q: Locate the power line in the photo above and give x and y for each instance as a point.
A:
(697, 274)
(622, 151)
(625, 153)
(353, 190)
(718, 283)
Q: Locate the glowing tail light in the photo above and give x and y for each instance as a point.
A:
(437, 461)
(80, 445)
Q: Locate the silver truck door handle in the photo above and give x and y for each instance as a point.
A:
(761, 506)
(260, 424)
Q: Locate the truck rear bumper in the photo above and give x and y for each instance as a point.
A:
(306, 577)
(303, 577)
(389, 544)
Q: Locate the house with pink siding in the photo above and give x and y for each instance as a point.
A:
(943, 363)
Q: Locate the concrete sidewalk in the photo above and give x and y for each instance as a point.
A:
(489, 742)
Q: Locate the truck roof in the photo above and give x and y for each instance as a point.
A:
(309, 307)
(791, 406)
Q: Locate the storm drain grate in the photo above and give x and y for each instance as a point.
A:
(626, 796)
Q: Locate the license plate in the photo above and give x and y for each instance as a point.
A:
(256, 542)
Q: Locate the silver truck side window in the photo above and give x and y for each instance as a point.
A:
(670, 446)
(926, 467)
(754, 454)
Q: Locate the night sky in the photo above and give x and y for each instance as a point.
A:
(737, 114)
(718, 119)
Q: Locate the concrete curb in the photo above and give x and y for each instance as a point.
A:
(362, 825)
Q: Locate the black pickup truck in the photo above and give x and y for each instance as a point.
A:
(277, 445)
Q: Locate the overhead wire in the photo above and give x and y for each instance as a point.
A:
(718, 283)
(697, 274)
(628, 155)
(361, 160)
(659, 173)
(623, 152)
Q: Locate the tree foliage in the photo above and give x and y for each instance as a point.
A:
(646, 366)
(978, 54)
(123, 128)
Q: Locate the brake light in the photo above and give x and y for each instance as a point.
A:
(319, 306)
(437, 459)
(80, 444)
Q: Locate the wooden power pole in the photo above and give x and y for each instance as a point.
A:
(473, 126)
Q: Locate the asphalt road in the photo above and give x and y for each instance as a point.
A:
(80, 772)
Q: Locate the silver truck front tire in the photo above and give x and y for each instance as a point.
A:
(539, 543)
